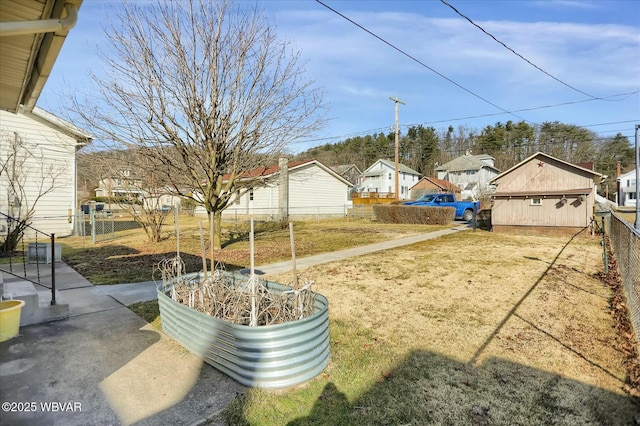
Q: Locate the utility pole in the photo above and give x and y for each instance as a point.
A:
(397, 101)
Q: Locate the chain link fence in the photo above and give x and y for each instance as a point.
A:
(243, 214)
(626, 246)
(102, 225)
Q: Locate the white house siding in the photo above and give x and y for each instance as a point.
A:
(381, 177)
(312, 190)
(263, 203)
(51, 150)
(627, 189)
(480, 179)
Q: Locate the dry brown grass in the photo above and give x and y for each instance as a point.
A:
(131, 258)
(472, 328)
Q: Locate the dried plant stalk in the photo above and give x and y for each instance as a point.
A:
(229, 297)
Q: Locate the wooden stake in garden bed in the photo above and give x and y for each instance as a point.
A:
(293, 257)
(296, 294)
(204, 254)
(176, 227)
(253, 282)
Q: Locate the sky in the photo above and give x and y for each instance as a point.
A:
(445, 70)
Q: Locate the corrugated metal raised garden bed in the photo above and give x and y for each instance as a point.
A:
(278, 355)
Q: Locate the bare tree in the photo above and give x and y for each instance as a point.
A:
(207, 91)
(130, 181)
(26, 178)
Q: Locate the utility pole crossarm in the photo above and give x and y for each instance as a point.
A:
(397, 101)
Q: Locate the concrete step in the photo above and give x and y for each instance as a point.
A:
(37, 308)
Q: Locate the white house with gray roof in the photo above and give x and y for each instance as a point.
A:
(472, 173)
(381, 178)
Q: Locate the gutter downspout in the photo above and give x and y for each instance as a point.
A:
(41, 26)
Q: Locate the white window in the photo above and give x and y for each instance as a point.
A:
(536, 201)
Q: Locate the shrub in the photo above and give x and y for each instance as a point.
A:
(484, 219)
(414, 214)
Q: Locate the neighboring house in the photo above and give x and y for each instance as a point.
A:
(472, 173)
(45, 171)
(308, 188)
(350, 172)
(123, 184)
(430, 185)
(380, 177)
(626, 183)
(543, 194)
(161, 199)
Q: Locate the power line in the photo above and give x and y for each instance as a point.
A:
(348, 135)
(518, 54)
(612, 122)
(533, 108)
(379, 129)
(419, 62)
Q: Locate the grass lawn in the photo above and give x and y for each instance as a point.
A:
(131, 258)
(628, 217)
(472, 328)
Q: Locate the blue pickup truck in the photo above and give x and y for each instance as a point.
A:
(464, 209)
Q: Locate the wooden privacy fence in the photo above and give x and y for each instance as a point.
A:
(373, 197)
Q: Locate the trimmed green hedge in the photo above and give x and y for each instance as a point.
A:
(414, 214)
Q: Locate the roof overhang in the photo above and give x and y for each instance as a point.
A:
(594, 175)
(63, 125)
(543, 194)
(32, 33)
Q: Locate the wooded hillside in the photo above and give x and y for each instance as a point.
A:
(424, 148)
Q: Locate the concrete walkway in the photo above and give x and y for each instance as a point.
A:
(319, 259)
(104, 365)
(128, 294)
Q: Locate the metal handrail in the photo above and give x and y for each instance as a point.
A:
(53, 257)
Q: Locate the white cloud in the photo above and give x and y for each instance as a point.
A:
(360, 72)
(600, 57)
